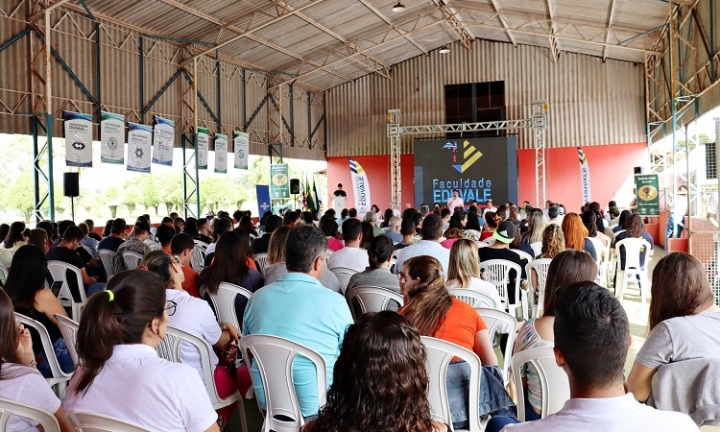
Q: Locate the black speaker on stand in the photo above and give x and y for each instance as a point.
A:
(295, 190)
(71, 189)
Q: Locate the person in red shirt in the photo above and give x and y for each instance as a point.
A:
(182, 247)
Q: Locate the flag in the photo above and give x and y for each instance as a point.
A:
(303, 201)
(315, 195)
(263, 198)
(310, 198)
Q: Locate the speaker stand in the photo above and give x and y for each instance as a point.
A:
(72, 208)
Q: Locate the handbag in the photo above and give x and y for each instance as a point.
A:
(227, 357)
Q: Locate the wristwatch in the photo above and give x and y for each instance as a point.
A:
(223, 327)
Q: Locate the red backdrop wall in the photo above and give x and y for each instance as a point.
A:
(611, 175)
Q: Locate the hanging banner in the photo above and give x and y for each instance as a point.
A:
(203, 138)
(112, 138)
(139, 141)
(648, 198)
(78, 139)
(279, 181)
(263, 199)
(221, 152)
(163, 141)
(361, 186)
(242, 149)
(584, 175)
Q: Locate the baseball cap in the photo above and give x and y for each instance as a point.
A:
(505, 232)
(210, 214)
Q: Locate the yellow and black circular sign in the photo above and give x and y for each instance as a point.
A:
(279, 179)
(648, 193)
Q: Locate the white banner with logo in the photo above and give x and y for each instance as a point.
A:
(78, 139)
(112, 138)
(203, 139)
(584, 175)
(139, 142)
(221, 153)
(242, 150)
(361, 186)
(163, 141)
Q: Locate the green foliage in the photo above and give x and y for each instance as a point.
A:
(21, 196)
(682, 145)
(150, 193)
(131, 195)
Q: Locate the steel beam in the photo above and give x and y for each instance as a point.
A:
(611, 15)
(458, 27)
(44, 12)
(554, 47)
(504, 21)
(380, 15)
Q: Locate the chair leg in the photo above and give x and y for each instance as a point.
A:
(243, 419)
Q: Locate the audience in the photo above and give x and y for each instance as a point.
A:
(504, 235)
(492, 222)
(451, 236)
(66, 251)
(299, 308)
(182, 248)
(576, 235)
(535, 226)
(368, 233)
(380, 380)
(553, 241)
(112, 242)
(204, 230)
(14, 239)
(393, 229)
(377, 274)
(428, 245)
(407, 230)
(260, 244)
(121, 374)
(351, 256)
(330, 228)
(164, 235)
(37, 237)
(634, 228)
(464, 270)
(136, 243)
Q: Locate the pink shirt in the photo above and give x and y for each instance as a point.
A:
(455, 202)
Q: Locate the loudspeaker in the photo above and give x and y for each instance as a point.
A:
(71, 184)
(637, 170)
(294, 186)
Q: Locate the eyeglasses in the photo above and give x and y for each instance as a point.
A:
(171, 306)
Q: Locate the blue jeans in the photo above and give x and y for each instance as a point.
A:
(673, 229)
(494, 399)
(94, 287)
(63, 357)
(497, 423)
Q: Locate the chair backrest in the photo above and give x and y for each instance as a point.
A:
(474, 298)
(10, 408)
(370, 299)
(47, 346)
(617, 233)
(59, 272)
(197, 260)
(69, 329)
(87, 249)
(439, 355)
(274, 357)
(88, 422)
(3, 273)
(343, 274)
(554, 382)
(539, 267)
(523, 255)
(632, 248)
(200, 244)
(498, 273)
(107, 257)
(154, 246)
(501, 322)
(169, 349)
(537, 248)
(132, 259)
(224, 302)
(261, 261)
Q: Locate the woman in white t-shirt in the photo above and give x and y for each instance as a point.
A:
(464, 271)
(684, 320)
(121, 374)
(20, 381)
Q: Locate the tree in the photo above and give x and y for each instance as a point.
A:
(217, 192)
(170, 189)
(682, 145)
(132, 196)
(151, 194)
(21, 195)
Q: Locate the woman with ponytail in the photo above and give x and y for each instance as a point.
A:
(431, 309)
(121, 374)
(492, 221)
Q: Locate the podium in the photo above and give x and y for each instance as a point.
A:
(339, 203)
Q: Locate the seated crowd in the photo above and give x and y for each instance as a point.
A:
(292, 275)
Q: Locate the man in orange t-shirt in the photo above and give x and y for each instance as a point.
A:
(182, 246)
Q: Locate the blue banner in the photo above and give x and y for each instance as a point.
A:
(263, 199)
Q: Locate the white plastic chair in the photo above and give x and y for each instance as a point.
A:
(474, 298)
(154, 246)
(439, 355)
(538, 267)
(498, 272)
(69, 329)
(633, 266)
(501, 322)
(261, 261)
(59, 378)
(274, 357)
(169, 349)
(10, 408)
(197, 260)
(107, 257)
(224, 302)
(537, 248)
(88, 422)
(59, 271)
(599, 252)
(3, 273)
(132, 259)
(553, 380)
(343, 274)
(87, 249)
(523, 255)
(370, 299)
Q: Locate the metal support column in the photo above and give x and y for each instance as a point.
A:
(191, 172)
(393, 133)
(539, 126)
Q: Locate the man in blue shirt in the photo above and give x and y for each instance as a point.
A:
(299, 308)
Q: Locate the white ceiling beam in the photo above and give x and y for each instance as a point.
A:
(554, 47)
(41, 14)
(450, 16)
(390, 23)
(611, 14)
(504, 21)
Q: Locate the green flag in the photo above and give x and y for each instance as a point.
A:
(316, 201)
(310, 200)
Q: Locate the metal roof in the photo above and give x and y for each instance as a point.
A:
(324, 43)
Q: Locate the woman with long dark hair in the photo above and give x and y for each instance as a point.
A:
(25, 286)
(246, 224)
(684, 321)
(330, 228)
(492, 221)
(565, 269)
(121, 374)
(634, 228)
(380, 380)
(386, 218)
(431, 309)
(19, 379)
(473, 221)
(14, 239)
(231, 265)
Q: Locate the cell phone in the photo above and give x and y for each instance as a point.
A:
(55, 288)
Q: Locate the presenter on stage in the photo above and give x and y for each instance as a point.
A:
(455, 201)
(340, 192)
